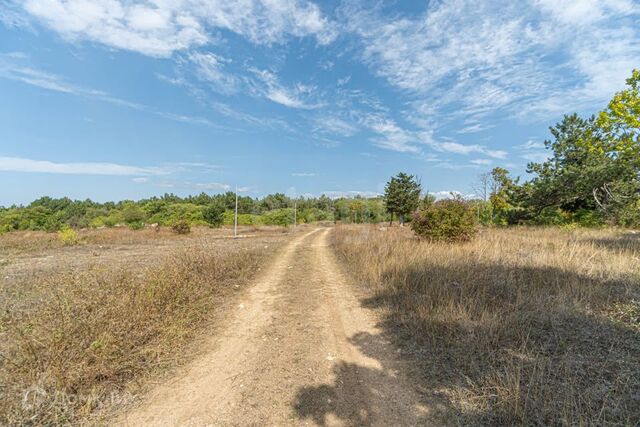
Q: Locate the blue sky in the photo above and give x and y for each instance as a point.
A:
(115, 99)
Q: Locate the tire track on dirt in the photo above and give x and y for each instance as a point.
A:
(301, 350)
(206, 386)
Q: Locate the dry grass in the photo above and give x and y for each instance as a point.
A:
(75, 341)
(30, 241)
(522, 326)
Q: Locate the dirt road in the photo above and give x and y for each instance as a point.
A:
(299, 350)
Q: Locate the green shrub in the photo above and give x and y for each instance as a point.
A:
(588, 218)
(214, 214)
(113, 219)
(282, 217)
(243, 219)
(133, 214)
(171, 213)
(312, 215)
(68, 237)
(181, 227)
(551, 216)
(137, 225)
(451, 220)
(629, 216)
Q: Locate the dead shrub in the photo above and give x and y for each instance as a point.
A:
(181, 227)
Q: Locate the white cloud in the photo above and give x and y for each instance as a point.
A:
(527, 59)
(212, 186)
(294, 97)
(262, 122)
(303, 174)
(343, 81)
(19, 164)
(334, 125)
(474, 127)
(187, 119)
(586, 12)
(159, 28)
(457, 148)
(481, 161)
(390, 135)
(450, 194)
(336, 194)
(209, 67)
(393, 137)
(11, 15)
(533, 151)
(12, 69)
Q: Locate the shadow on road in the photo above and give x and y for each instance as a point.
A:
(364, 396)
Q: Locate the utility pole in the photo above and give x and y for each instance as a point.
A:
(235, 222)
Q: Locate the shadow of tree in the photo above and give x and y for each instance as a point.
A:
(365, 396)
(515, 345)
(628, 242)
(493, 343)
(320, 402)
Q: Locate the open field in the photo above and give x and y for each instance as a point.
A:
(345, 326)
(525, 326)
(85, 326)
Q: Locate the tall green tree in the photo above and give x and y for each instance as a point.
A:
(402, 195)
(594, 163)
(619, 124)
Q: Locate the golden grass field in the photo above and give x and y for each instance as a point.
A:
(83, 327)
(525, 326)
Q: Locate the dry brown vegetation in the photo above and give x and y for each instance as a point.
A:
(86, 329)
(524, 326)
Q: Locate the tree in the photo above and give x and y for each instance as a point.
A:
(275, 201)
(620, 126)
(402, 196)
(483, 186)
(213, 214)
(595, 163)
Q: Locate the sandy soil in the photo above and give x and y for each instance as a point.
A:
(299, 349)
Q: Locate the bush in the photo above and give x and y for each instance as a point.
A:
(588, 218)
(214, 214)
(283, 217)
(243, 219)
(133, 214)
(68, 237)
(629, 216)
(137, 225)
(181, 227)
(552, 216)
(174, 212)
(451, 220)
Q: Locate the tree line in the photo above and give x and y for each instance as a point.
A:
(53, 214)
